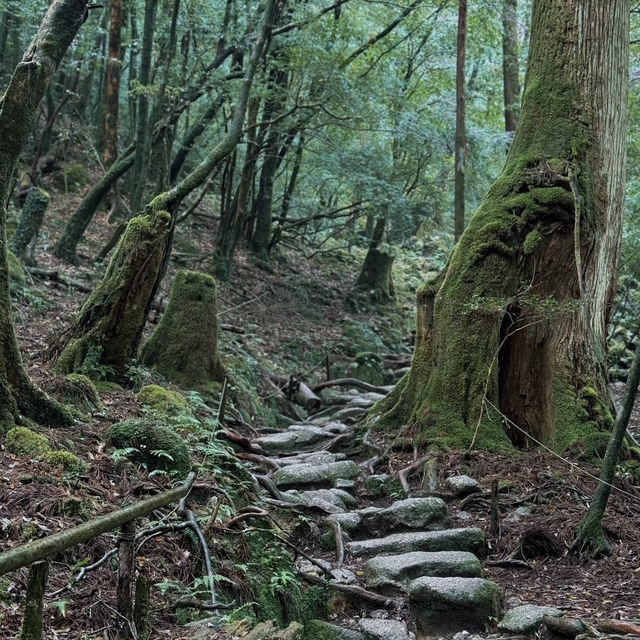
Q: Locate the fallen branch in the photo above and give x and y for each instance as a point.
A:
(40, 549)
(339, 538)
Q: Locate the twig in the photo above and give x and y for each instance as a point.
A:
(405, 473)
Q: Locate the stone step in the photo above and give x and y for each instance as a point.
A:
(425, 514)
(400, 570)
(443, 606)
(467, 539)
(311, 457)
(292, 440)
(299, 475)
(340, 500)
(364, 629)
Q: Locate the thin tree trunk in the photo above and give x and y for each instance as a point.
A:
(461, 142)
(591, 539)
(114, 66)
(510, 66)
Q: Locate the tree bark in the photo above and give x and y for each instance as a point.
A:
(461, 141)
(518, 319)
(510, 66)
(376, 275)
(112, 103)
(18, 107)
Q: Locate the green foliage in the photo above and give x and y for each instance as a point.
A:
(92, 366)
(72, 178)
(155, 446)
(65, 459)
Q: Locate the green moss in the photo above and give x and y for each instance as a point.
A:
(26, 443)
(156, 446)
(184, 347)
(65, 459)
(106, 385)
(17, 274)
(72, 178)
(163, 400)
(531, 242)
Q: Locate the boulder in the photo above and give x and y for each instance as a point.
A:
(401, 569)
(526, 618)
(469, 539)
(302, 474)
(444, 606)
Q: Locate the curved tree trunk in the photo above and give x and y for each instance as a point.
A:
(519, 318)
(17, 109)
(376, 275)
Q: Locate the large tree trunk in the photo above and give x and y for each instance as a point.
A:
(376, 275)
(518, 320)
(17, 109)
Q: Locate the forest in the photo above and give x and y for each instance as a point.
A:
(319, 320)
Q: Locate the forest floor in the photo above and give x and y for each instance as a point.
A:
(290, 318)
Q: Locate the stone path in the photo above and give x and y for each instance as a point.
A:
(404, 550)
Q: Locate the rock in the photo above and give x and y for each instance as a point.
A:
(526, 618)
(469, 539)
(346, 497)
(413, 513)
(344, 576)
(375, 484)
(293, 632)
(344, 484)
(444, 606)
(316, 457)
(462, 486)
(349, 521)
(465, 635)
(292, 440)
(401, 569)
(301, 474)
(321, 630)
(319, 497)
(384, 629)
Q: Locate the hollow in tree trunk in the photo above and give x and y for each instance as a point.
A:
(518, 320)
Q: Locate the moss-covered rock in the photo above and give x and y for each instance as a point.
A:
(156, 446)
(76, 389)
(184, 347)
(26, 443)
(65, 459)
(162, 400)
(72, 178)
(17, 274)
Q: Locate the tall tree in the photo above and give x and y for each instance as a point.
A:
(461, 138)
(114, 65)
(510, 66)
(518, 319)
(18, 107)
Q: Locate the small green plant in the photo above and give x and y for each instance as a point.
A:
(92, 366)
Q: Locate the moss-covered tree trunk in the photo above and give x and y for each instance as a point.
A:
(519, 317)
(17, 109)
(184, 347)
(510, 65)
(376, 275)
(26, 236)
(108, 329)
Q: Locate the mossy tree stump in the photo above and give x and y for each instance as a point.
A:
(184, 347)
(25, 239)
(518, 322)
(110, 323)
(376, 275)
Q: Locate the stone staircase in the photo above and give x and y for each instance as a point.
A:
(428, 574)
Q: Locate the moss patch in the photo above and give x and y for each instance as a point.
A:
(26, 443)
(65, 459)
(72, 178)
(155, 446)
(162, 400)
